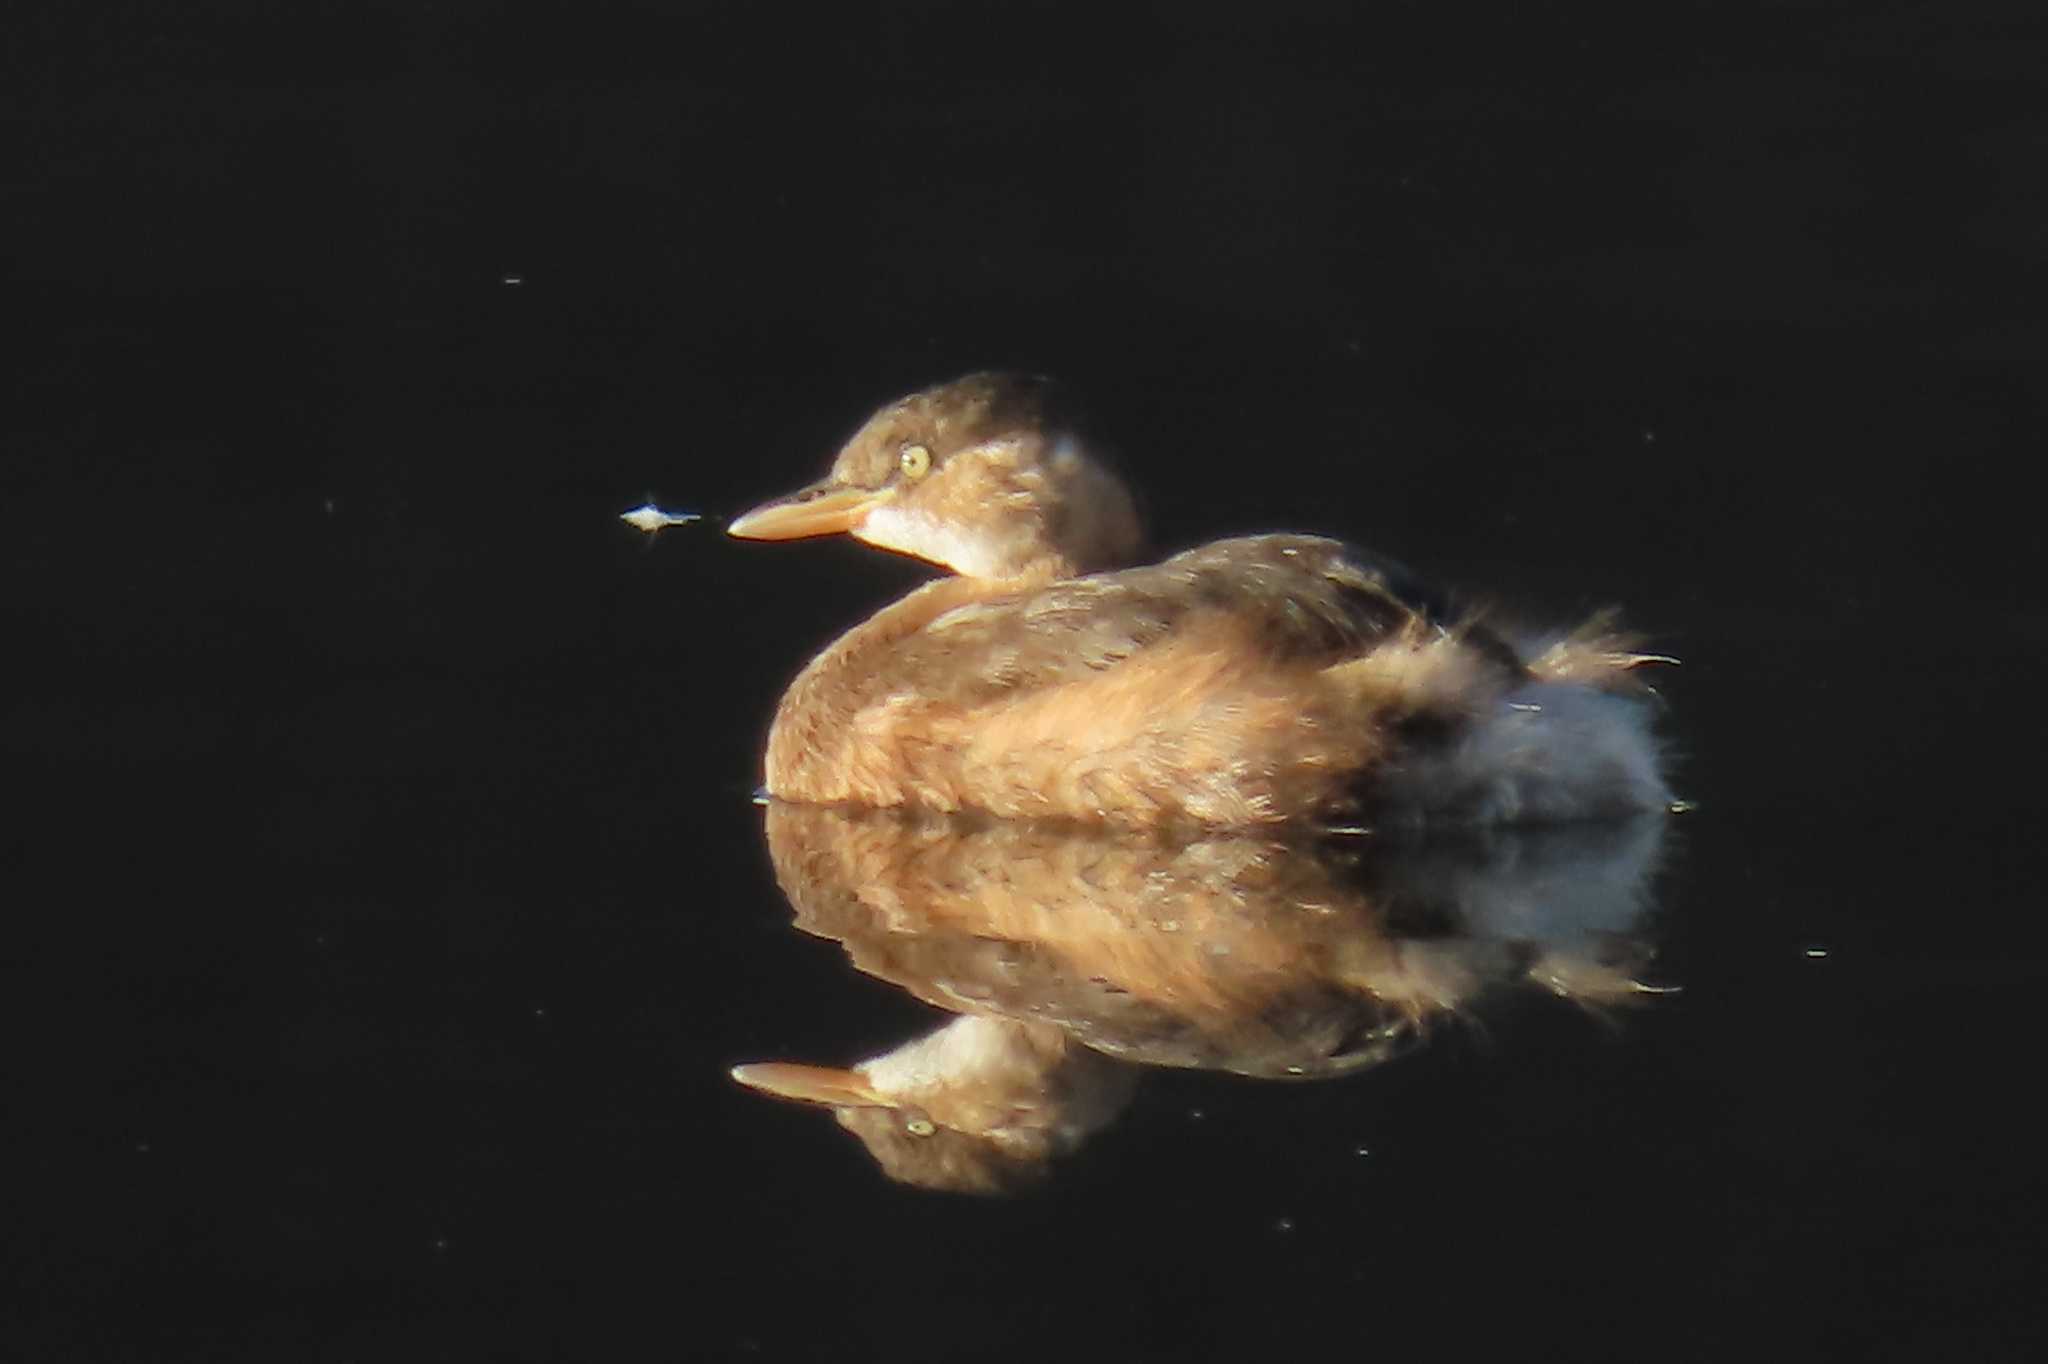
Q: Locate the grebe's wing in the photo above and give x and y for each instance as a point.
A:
(1292, 600)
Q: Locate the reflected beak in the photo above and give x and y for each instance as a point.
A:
(810, 1084)
(824, 508)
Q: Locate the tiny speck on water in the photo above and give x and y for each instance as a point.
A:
(514, 280)
(1196, 1114)
(1816, 952)
(1284, 1224)
(652, 520)
(1361, 1150)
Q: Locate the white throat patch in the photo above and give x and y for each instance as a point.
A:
(891, 527)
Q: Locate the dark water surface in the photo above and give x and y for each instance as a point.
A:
(389, 902)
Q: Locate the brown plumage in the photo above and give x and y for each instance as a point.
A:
(1252, 681)
(1064, 944)
(1225, 950)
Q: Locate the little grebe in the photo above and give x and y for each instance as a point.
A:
(1260, 680)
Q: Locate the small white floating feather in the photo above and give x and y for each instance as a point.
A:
(650, 518)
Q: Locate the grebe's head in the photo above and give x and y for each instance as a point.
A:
(982, 475)
(981, 1105)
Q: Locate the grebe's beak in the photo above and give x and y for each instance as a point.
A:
(824, 508)
(811, 1084)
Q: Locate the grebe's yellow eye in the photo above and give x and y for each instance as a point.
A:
(916, 461)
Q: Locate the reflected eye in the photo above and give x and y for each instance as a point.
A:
(916, 461)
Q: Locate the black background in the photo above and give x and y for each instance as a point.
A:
(387, 904)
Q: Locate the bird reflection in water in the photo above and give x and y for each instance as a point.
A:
(1078, 954)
